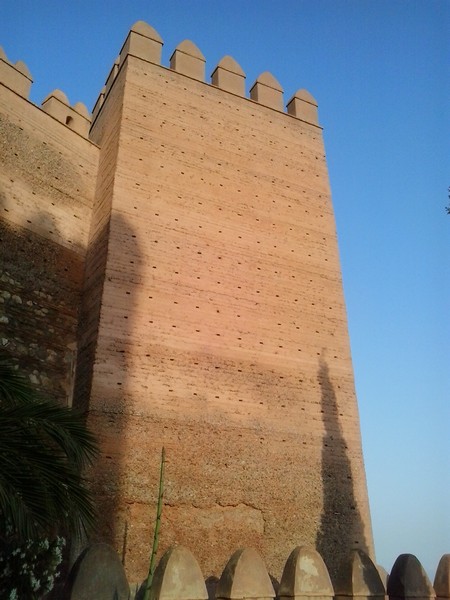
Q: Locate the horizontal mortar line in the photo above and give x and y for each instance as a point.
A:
(167, 116)
(222, 173)
(255, 352)
(189, 358)
(289, 189)
(172, 285)
(174, 197)
(340, 365)
(194, 232)
(261, 122)
(245, 155)
(168, 212)
(172, 288)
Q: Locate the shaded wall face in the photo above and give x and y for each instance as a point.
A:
(47, 178)
(105, 132)
(40, 292)
(222, 296)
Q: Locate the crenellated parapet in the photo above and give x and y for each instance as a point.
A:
(112, 75)
(188, 60)
(359, 578)
(142, 41)
(267, 91)
(229, 76)
(178, 576)
(408, 580)
(303, 106)
(305, 574)
(15, 76)
(76, 117)
(145, 43)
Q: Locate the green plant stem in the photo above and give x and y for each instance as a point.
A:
(151, 569)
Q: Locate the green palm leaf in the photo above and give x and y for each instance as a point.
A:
(43, 449)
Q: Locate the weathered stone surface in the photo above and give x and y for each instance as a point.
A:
(305, 576)
(47, 185)
(178, 577)
(442, 578)
(98, 574)
(245, 576)
(359, 578)
(48, 175)
(384, 575)
(409, 580)
(41, 295)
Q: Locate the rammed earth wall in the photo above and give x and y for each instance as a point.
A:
(205, 300)
(47, 183)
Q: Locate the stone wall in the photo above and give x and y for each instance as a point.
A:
(99, 573)
(47, 183)
(222, 330)
(186, 254)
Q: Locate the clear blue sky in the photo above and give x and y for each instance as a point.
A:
(379, 70)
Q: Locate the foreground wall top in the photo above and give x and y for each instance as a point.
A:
(145, 42)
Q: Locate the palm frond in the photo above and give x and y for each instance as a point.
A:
(43, 449)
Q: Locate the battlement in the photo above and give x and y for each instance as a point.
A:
(77, 117)
(304, 577)
(145, 43)
(16, 76)
(181, 283)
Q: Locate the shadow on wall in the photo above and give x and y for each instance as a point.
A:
(41, 283)
(341, 527)
(103, 369)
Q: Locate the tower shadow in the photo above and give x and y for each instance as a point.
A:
(103, 370)
(341, 526)
(41, 281)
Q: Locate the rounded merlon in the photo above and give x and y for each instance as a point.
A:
(143, 28)
(229, 64)
(305, 574)
(408, 579)
(22, 67)
(188, 47)
(178, 576)
(82, 110)
(245, 576)
(359, 576)
(442, 578)
(59, 95)
(268, 79)
(305, 96)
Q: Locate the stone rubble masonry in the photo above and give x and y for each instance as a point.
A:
(184, 256)
(47, 184)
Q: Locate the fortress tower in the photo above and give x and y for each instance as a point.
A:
(179, 255)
